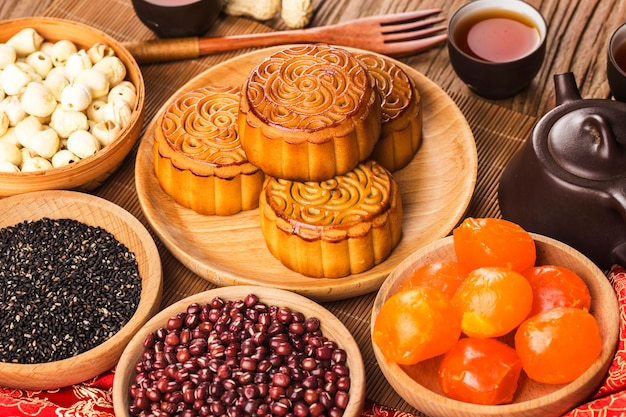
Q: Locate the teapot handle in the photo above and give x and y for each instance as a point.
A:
(566, 88)
(618, 200)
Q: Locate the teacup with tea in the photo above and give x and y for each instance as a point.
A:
(497, 47)
(616, 63)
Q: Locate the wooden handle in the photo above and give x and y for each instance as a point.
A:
(161, 50)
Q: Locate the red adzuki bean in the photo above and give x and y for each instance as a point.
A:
(240, 358)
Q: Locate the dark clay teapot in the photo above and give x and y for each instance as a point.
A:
(568, 181)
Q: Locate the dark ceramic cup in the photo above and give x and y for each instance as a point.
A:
(178, 18)
(616, 75)
(485, 55)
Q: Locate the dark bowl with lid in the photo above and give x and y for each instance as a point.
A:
(178, 18)
(568, 181)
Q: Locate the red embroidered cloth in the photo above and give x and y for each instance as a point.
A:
(94, 398)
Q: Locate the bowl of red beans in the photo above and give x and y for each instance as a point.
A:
(79, 276)
(241, 351)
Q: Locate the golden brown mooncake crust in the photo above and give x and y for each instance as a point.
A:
(401, 133)
(309, 113)
(198, 157)
(334, 228)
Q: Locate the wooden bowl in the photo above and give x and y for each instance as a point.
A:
(128, 230)
(86, 174)
(419, 386)
(331, 327)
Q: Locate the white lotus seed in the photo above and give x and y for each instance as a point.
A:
(296, 14)
(83, 144)
(95, 111)
(26, 41)
(7, 55)
(8, 167)
(66, 122)
(40, 62)
(36, 163)
(4, 123)
(44, 143)
(26, 154)
(15, 78)
(61, 51)
(10, 137)
(113, 68)
(97, 82)
(76, 97)
(63, 158)
(26, 129)
(38, 100)
(56, 81)
(11, 106)
(47, 47)
(106, 131)
(98, 51)
(124, 91)
(57, 72)
(76, 63)
(118, 112)
(10, 153)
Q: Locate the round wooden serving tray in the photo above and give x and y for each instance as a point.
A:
(436, 188)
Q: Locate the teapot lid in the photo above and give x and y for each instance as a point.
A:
(587, 137)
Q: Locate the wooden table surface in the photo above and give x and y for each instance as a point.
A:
(578, 33)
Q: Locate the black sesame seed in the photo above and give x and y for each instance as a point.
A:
(65, 288)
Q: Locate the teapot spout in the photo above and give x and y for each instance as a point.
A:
(566, 88)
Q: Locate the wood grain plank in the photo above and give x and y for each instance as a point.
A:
(11, 9)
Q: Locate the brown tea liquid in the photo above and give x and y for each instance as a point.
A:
(497, 35)
(620, 56)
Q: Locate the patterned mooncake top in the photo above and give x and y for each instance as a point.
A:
(202, 124)
(356, 197)
(308, 87)
(391, 82)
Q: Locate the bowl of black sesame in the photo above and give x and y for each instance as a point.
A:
(241, 351)
(79, 276)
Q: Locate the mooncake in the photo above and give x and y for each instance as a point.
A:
(333, 228)
(198, 157)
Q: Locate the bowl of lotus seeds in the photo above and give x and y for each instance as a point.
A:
(71, 105)
(79, 276)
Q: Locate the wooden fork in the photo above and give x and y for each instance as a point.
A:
(395, 35)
